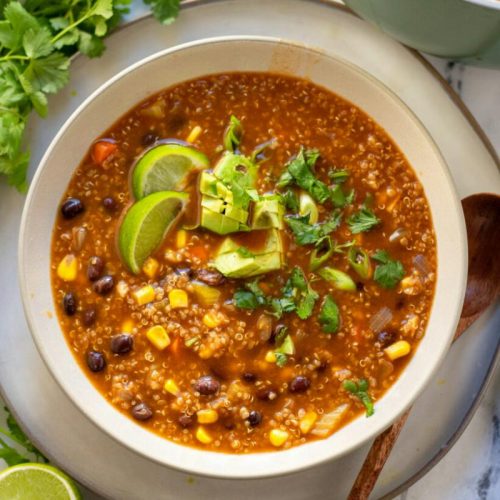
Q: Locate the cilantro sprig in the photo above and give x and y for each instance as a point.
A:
(11, 455)
(329, 316)
(37, 39)
(307, 234)
(389, 272)
(360, 390)
(362, 221)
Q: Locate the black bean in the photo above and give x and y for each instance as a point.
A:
(89, 316)
(267, 394)
(149, 139)
(386, 338)
(69, 303)
(95, 267)
(104, 285)
(299, 384)
(142, 412)
(122, 343)
(185, 420)
(277, 332)
(322, 366)
(207, 385)
(249, 377)
(96, 361)
(210, 277)
(71, 208)
(254, 418)
(109, 203)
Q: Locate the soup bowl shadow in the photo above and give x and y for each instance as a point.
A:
(192, 60)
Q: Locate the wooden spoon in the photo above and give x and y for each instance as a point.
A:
(482, 218)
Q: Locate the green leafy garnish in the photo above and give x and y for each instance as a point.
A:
(298, 295)
(285, 348)
(232, 134)
(301, 172)
(362, 221)
(360, 390)
(338, 176)
(329, 316)
(251, 298)
(290, 200)
(9, 454)
(37, 39)
(339, 198)
(307, 234)
(389, 272)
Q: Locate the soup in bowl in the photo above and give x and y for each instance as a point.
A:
(259, 252)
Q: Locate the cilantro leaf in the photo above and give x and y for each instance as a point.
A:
(329, 316)
(281, 359)
(338, 176)
(360, 390)
(166, 11)
(301, 170)
(302, 296)
(306, 234)
(362, 221)
(290, 200)
(389, 272)
(251, 298)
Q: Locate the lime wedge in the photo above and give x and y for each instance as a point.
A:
(166, 167)
(36, 481)
(146, 224)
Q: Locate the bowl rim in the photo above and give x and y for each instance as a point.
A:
(204, 459)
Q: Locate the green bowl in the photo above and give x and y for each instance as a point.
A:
(467, 30)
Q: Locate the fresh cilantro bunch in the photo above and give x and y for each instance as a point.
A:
(37, 39)
(11, 455)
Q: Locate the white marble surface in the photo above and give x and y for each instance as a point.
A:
(471, 470)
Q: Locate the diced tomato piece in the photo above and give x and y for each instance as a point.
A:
(199, 252)
(103, 150)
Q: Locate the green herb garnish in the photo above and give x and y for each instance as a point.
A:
(232, 134)
(37, 39)
(285, 349)
(290, 200)
(360, 390)
(16, 434)
(306, 234)
(298, 293)
(339, 198)
(251, 298)
(389, 272)
(338, 176)
(329, 316)
(362, 221)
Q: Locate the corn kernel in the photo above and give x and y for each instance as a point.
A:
(307, 421)
(203, 436)
(177, 298)
(171, 387)
(205, 353)
(270, 357)
(181, 238)
(277, 437)
(150, 267)
(213, 319)
(68, 268)
(207, 416)
(144, 295)
(127, 326)
(194, 134)
(158, 337)
(397, 350)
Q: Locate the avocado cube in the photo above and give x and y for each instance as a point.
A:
(213, 204)
(268, 213)
(236, 213)
(208, 184)
(234, 265)
(218, 223)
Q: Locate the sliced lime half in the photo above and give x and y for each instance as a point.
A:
(166, 168)
(36, 481)
(146, 224)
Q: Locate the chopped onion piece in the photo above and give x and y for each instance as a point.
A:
(78, 235)
(380, 319)
(421, 265)
(397, 235)
(329, 421)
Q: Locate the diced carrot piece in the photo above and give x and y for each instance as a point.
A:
(102, 150)
(199, 252)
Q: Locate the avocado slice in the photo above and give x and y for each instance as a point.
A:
(218, 223)
(234, 264)
(268, 213)
(231, 166)
(208, 184)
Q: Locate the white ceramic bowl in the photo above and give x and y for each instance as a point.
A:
(185, 62)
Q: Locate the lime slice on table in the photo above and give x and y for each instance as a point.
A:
(146, 224)
(36, 481)
(166, 167)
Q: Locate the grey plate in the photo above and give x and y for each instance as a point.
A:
(442, 411)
